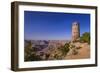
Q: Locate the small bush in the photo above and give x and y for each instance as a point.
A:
(85, 37)
(78, 47)
(65, 49)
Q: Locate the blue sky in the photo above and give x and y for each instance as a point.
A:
(52, 25)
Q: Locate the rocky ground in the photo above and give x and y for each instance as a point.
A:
(83, 52)
(57, 50)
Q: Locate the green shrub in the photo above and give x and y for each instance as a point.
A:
(78, 47)
(85, 37)
(33, 57)
(65, 49)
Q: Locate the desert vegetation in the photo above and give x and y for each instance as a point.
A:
(38, 50)
(85, 37)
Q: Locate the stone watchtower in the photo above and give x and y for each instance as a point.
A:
(75, 31)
